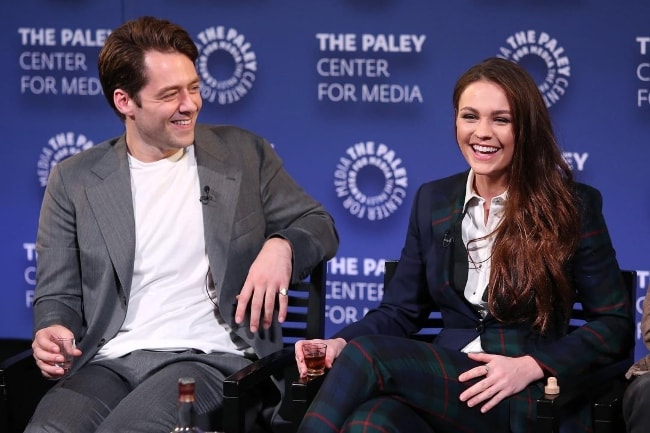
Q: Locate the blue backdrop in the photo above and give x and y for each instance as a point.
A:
(355, 95)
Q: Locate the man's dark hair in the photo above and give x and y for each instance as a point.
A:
(121, 60)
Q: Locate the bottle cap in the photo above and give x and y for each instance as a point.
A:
(186, 389)
(551, 386)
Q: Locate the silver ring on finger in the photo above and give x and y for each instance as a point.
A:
(283, 291)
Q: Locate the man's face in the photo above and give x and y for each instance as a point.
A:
(164, 120)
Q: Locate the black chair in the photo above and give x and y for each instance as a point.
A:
(22, 386)
(605, 395)
(305, 320)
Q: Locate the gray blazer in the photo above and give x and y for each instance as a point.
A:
(86, 234)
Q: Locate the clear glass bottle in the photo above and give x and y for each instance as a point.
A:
(185, 412)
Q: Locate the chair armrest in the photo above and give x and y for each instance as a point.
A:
(602, 388)
(16, 361)
(551, 408)
(21, 388)
(608, 409)
(303, 391)
(240, 382)
(237, 387)
(6, 383)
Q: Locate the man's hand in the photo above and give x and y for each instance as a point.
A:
(46, 352)
(334, 348)
(268, 277)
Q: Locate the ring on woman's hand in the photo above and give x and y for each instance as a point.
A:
(283, 291)
(487, 369)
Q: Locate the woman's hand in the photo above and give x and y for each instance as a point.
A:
(334, 348)
(502, 377)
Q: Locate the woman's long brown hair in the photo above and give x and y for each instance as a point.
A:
(541, 224)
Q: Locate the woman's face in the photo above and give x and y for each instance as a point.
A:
(484, 133)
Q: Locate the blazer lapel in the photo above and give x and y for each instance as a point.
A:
(447, 223)
(223, 181)
(459, 265)
(112, 204)
(447, 215)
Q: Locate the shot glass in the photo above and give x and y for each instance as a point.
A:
(314, 354)
(66, 348)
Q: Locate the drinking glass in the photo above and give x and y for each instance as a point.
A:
(66, 348)
(314, 354)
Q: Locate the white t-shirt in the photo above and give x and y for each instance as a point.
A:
(169, 305)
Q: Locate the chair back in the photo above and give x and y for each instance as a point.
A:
(305, 320)
(306, 313)
(21, 384)
(604, 394)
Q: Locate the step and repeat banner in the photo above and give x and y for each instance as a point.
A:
(355, 96)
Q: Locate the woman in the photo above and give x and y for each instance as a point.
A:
(503, 249)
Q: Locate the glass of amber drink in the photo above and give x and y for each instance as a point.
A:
(314, 354)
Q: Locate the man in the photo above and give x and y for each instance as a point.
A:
(165, 252)
(636, 400)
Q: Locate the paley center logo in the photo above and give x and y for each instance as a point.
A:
(544, 58)
(58, 148)
(226, 64)
(370, 180)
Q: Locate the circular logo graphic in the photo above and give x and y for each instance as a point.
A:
(544, 58)
(226, 65)
(59, 148)
(370, 181)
